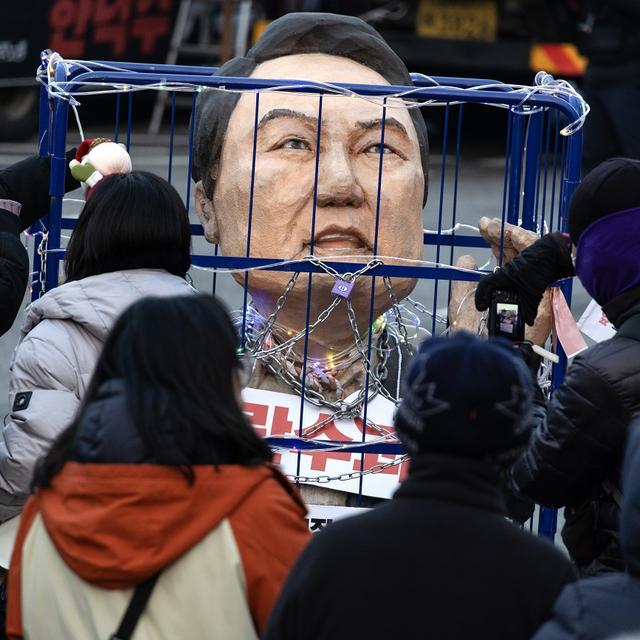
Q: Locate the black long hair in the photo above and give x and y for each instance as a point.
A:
(176, 358)
(134, 220)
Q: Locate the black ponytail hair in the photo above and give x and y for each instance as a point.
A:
(177, 358)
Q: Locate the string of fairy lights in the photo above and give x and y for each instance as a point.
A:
(544, 84)
(392, 336)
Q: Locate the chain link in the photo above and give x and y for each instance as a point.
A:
(396, 309)
(42, 251)
(277, 359)
(422, 309)
(280, 302)
(291, 342)
(324, 479)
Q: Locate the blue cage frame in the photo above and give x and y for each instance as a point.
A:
(529, 138)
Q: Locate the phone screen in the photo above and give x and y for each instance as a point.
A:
(507, 317)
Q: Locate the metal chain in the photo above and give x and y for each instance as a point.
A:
(285, 370)
(267, 355)
(349, 277)
(340, 408)
(396, 309)
(422, 309)
(291, 342)
(325, 267)
(42, 252)
(380, 373)
(280, 302)
(324, 479)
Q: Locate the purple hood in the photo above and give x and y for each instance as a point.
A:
(608, 258)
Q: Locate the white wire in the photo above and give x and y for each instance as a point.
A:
(80, 63)
(283, 263)
(456, 227)
(58, 89)
(545, 84)
(75, 113)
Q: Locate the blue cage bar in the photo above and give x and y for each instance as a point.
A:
(541, 171)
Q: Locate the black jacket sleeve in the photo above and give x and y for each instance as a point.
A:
(576, 440)
(27, 182)
(14, 269)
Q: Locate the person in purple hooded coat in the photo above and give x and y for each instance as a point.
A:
(575, 453)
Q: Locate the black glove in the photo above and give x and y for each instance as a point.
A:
(529, 357)
(519, 508)
(548, 259)
(27, 182)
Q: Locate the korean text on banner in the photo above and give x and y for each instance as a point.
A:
(321, 516)
(595, 324)
(278, 414)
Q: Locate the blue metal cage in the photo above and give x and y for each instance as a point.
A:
(541, 170)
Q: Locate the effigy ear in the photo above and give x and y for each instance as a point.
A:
(206, 214)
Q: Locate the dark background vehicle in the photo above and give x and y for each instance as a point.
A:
(507, 39)
(503, 39)
(134, 30)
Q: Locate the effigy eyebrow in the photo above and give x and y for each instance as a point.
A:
(377, 122)
(286, 113)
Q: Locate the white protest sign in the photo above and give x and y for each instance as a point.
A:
(320, 516)
(595, 324)
(278, 414)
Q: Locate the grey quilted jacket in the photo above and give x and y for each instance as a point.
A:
(62, 336)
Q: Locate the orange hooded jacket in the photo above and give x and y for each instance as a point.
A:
(115, 525)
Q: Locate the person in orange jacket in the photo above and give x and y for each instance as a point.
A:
(158, 509)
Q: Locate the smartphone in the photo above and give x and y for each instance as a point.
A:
(505, 317)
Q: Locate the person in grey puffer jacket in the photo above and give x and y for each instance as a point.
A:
(131, 240)
(597, 608)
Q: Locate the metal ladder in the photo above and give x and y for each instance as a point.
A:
(198, 14)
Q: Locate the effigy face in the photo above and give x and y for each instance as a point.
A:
(279, 178)
(347, 183)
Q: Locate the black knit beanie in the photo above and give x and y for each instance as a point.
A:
(298, 33)
(612, 186)
(466, 396)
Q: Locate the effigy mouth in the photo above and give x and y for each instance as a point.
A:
(335, 241)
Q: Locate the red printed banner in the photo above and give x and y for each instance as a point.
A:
(595, 324)
(115, 29)
(278, 414)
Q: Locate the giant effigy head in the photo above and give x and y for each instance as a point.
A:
(329, 49)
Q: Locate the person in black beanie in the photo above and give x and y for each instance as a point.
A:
(24, 198)
(440, 559)
(575, 454)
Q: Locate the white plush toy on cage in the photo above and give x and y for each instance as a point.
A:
(96, 159)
